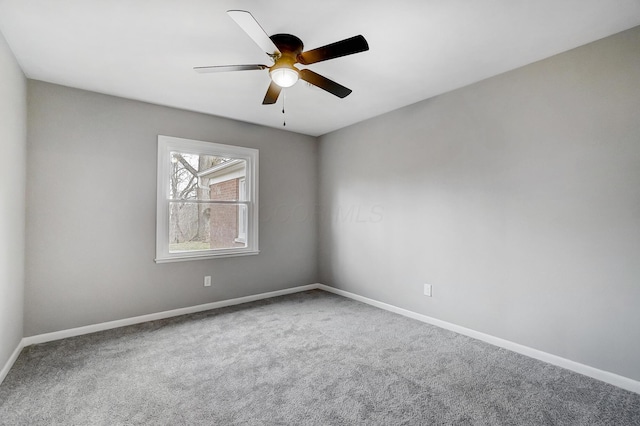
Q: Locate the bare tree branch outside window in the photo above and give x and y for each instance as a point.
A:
(189, 224)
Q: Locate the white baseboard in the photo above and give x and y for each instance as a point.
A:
(63, 334)
(605, 376)
(12, 359)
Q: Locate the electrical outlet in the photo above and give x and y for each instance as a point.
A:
(427, 290)
(207, 281)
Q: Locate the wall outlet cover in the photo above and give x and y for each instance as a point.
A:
(427, 290)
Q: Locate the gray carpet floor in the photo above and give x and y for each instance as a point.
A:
(310, 358)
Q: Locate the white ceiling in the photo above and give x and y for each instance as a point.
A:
(145, 49)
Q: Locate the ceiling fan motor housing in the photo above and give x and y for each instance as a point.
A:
(283, 72)
(288, 44)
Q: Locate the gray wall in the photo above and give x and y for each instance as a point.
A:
(13, 142)
(517, 198)
(91, 209)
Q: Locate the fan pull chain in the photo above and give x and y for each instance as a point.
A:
(284, 120)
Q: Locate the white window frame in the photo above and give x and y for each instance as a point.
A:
(242, 212)
(168, 144)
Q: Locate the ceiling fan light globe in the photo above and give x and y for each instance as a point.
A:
(284, 77)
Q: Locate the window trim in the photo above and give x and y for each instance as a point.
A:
(166, 144)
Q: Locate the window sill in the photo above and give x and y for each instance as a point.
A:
(188, 257)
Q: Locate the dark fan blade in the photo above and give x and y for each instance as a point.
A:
(248, 23)
(225, 68)
(324, 83)
(334, 50)
(272, 94)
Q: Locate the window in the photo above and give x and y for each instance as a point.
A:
(207, 200)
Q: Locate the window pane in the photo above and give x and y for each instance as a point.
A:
(206, 226)
(206, 177)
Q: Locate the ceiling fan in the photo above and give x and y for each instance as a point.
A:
(286, 50)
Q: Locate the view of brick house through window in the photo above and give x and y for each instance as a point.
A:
(207, 215)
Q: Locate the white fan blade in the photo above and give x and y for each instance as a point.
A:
(248, 23)
(226, 68)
